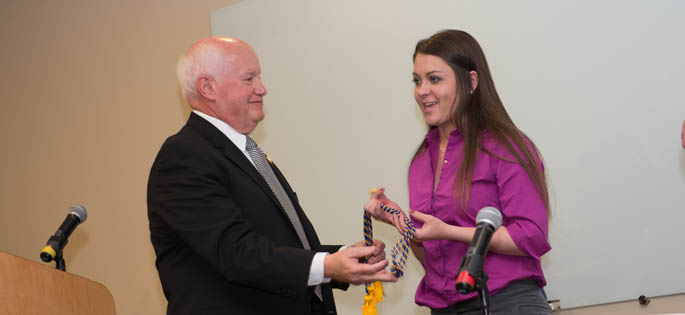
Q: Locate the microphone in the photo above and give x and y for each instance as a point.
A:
(77, 214)
(488, 220)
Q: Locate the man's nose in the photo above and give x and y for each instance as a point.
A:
(260, 89)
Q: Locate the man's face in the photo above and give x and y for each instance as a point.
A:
(240, 91)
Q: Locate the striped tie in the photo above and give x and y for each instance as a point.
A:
(263, 167)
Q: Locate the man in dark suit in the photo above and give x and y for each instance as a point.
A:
(228, 231)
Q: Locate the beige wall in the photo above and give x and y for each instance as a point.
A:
(88, 95)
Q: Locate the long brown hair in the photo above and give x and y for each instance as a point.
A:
(478, 110)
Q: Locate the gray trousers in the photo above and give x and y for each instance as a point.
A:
(518, 298)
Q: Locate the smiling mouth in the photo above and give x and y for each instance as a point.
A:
(429, 104)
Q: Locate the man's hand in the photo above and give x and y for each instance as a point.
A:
(378, 252)
(344, 266)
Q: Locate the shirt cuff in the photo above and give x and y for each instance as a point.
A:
(316, 270)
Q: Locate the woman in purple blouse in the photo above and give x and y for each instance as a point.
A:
(472, 157)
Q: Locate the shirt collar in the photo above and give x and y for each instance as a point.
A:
(433, 135)
(239, 139)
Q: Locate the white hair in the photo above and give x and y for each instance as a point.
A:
(202, 58)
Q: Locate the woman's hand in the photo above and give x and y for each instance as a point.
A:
(373, 207)
(432, 229)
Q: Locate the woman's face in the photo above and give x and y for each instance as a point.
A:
(435, 89)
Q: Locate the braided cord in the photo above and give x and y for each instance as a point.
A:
(368, 240)
(400, 251)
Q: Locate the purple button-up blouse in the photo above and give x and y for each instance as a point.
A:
(496, 182)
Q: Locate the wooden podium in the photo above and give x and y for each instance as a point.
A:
(27, 287)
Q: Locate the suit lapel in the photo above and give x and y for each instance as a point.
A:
(308, 228)
(236, 156)
(221, 142)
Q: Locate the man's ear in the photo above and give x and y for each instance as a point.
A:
(474, 80)
(206, 87)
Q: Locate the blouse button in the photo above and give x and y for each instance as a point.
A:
(445, 161)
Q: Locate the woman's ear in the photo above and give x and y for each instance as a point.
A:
(474, 80)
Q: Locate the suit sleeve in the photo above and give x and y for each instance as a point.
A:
(189, 192)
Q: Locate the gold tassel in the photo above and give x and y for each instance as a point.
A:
(377, 291)
(374, 295)
(374, 292)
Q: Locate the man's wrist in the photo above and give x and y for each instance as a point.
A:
(316, 271)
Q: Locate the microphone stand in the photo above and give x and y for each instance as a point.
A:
(483, 293)
(59, 262)
(480, 284)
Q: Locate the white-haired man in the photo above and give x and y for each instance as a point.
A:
(228, 231)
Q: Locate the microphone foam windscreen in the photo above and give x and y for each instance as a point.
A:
(489, 215)
(79, 211)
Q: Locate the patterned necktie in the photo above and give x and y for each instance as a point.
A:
(263, 167)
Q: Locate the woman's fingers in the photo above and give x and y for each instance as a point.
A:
(421, 217)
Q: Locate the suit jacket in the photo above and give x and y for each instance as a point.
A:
(223, 242)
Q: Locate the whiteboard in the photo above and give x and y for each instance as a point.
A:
(597, 85)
